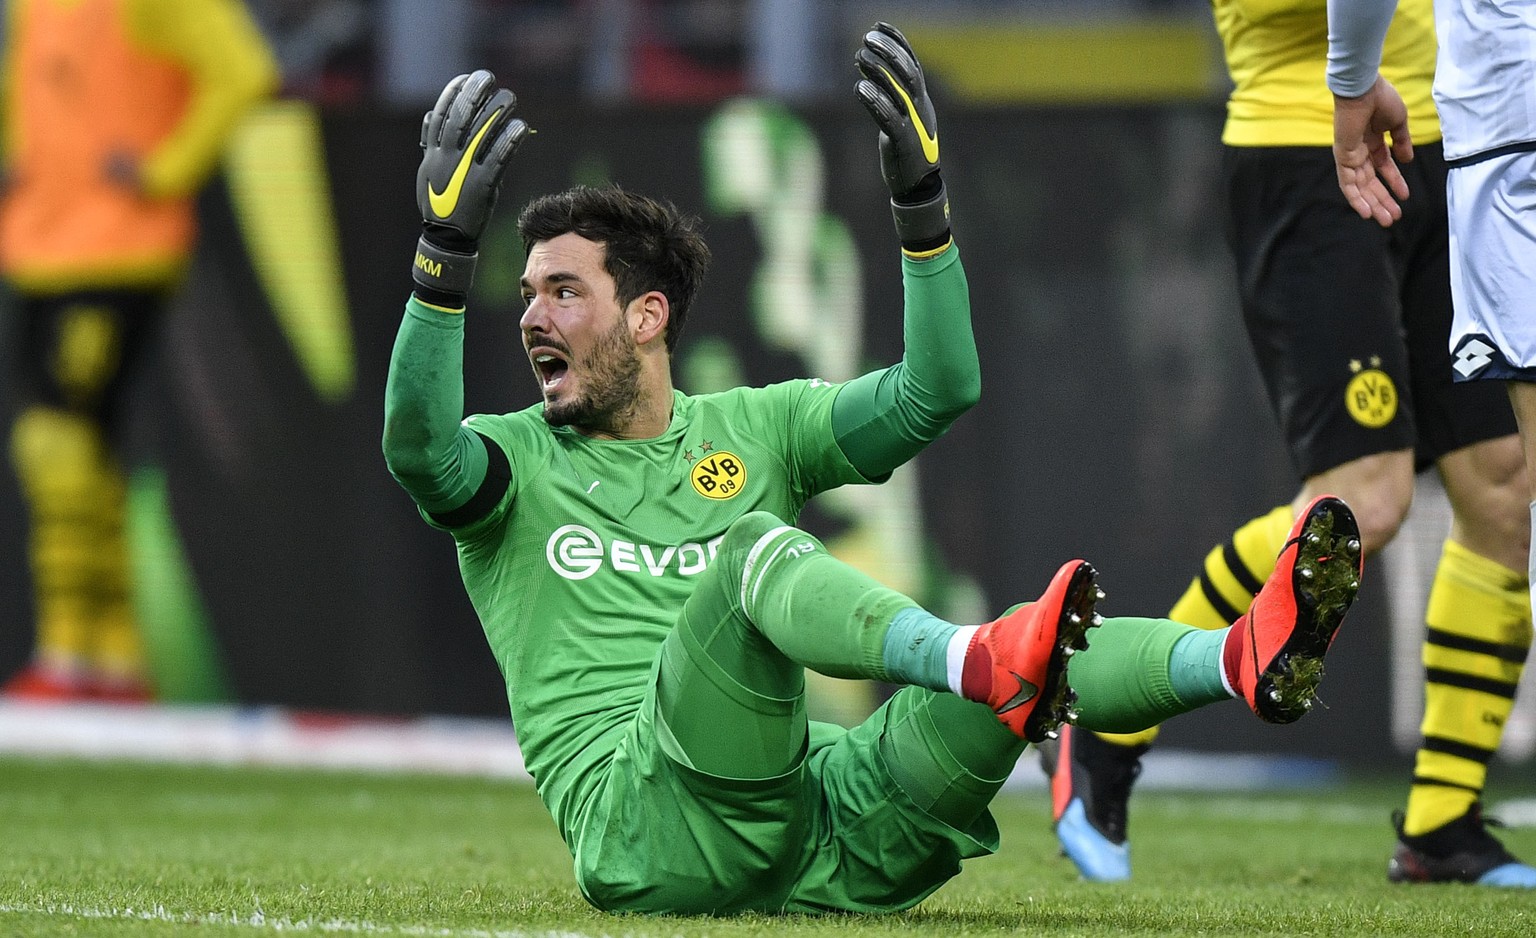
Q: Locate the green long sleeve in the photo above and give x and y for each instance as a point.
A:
(428, 450)
(884, 418)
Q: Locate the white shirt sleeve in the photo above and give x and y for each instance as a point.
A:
(1356, 30)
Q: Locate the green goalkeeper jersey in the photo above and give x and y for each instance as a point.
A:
(582, 569)
(580, 564)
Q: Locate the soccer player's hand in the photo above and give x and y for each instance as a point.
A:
(466, 141)
(896, 96)
(1368, 174)
(122, 168)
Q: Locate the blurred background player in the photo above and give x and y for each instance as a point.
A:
(116, 113)
(1349, 325)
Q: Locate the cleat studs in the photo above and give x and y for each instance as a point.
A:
(1075, 619)
(1274, 694)
(1098, 595)
(1306, 572)
(1071, 715)
(1352, 545)
(1068, 651)
(1052, 734)
(1096, 620)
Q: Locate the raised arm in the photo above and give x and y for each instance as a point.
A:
(231, 69)
(453, 473)
(884, 418)
(1366, 110)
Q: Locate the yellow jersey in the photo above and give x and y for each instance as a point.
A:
(1277, 55)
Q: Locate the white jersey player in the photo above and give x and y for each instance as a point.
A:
(1485, 92)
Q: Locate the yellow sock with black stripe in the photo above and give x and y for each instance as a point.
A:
(1232, 575)
(117, 647)
(53, 452)
(75, 496)
(1477, 636)
(1234, 572)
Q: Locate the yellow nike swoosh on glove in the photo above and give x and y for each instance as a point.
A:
(929, 141)
(443, 203)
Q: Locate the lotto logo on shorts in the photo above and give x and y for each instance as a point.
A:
(719, 475)
(1473, 355)
(1371, 397)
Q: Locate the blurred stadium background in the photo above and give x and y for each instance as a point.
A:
(1121, 421)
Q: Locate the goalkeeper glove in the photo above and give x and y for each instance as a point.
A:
(466, 141)
(894, 93)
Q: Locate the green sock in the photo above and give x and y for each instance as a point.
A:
(1194, 667)
(1135, 674)
(916, 649)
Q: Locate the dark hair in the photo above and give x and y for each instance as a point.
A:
(648, 245)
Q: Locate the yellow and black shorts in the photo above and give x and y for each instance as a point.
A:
(1350, 322)
(78, 351)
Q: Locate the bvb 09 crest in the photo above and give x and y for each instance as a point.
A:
(1371, 397)
(719, 475)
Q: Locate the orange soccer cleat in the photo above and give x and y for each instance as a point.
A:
(1017, 664)
(1273, 655)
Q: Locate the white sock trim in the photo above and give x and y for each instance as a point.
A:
(954, 656)
(1221, 664)
(750, 571)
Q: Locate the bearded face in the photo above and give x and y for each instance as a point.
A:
(578, 337)
(606, 388)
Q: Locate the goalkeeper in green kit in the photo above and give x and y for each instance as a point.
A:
(632, 555)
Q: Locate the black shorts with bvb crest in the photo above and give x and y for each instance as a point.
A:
(1350, 322)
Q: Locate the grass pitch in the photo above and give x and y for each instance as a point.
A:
(124, 849)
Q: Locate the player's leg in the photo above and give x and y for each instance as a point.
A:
(1092, 774)
(1272, 657)
(1478, 633)
(707, 810)
(1478, 618)
(729, 689)
(775, 602)
(714, 783)
(109, 350)
(1314, 288)
(53, 452)
(906, 794)
(927, 765)
(1522, 396)
(76, 353)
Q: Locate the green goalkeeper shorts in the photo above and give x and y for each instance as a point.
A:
(835, 833)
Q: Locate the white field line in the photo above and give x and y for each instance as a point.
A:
(262, 922)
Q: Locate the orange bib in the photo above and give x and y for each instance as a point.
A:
(80, 91)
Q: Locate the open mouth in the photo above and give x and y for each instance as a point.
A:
(551, 369)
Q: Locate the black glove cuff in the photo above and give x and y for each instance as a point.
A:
(923, 226)
(440, 273)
